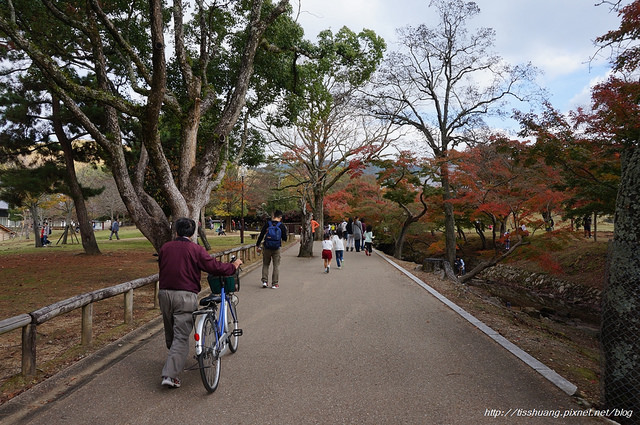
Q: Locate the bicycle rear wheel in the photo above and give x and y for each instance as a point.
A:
(209, 359)
(232, 327)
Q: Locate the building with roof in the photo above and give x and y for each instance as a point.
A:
(4, 213)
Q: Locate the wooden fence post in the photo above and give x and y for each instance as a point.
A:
(87, 324)
(29, 350)
(128, 306)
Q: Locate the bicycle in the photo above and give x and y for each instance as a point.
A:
(216, 327)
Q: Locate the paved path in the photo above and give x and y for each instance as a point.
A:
(361, 345)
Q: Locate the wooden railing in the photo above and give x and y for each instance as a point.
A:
(29, 321)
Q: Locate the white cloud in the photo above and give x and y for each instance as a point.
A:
(583, 98)
(555, 62)
(318, 15)
(555, 36)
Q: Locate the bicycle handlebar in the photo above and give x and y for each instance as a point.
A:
(233, 259)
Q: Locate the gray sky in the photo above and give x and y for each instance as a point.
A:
(556, 36)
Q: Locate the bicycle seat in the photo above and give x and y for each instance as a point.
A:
(210, 299)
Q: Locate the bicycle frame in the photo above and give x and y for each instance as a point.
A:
(221, 337)
(222, 333)
(210, 348)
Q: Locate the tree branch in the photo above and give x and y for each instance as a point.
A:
(490, 263)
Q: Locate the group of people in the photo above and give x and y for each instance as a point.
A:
(333, 241)
(353, 230)
(45, 231)
(234, 225)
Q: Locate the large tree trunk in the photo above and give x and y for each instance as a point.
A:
(318, 212)
(397, 249)
(36, 228)
(306, 237)
(449, 219)
(87, 235)
(620, 331)
(408, 222)
(189, 139)
(201, 232)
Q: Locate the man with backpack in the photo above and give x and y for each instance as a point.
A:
(273, 232)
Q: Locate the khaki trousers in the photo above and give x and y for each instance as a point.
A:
(176, 308)
(267, 256)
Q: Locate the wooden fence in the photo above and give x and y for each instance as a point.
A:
(29, 321)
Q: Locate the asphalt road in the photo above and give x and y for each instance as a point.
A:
(361, 345)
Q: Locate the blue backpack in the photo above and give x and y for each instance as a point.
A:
(273, 237)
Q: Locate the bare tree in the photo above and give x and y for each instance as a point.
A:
(442, 83)
(108, 202)
(317, 157)
(327, 134)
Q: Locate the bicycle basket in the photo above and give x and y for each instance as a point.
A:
(231, 283)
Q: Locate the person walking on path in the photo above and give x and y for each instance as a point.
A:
(338, 247)
(181, 262)
(273, 232)
(363, 226)
(115, 227)
(350, 234)
(327, 245)
(459, 263)
(327, 230)
(357, 233)
(586, 222)
(368, 240)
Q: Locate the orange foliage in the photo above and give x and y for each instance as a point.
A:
(437, 248)
(549, 264)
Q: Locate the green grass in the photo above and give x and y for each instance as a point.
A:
(130, 239)
(585, 373)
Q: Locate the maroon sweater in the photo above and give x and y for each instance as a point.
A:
(181, 262)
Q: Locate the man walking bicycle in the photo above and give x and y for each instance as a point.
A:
(180, 262)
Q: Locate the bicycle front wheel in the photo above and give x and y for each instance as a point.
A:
(209, 359)
(232, 327)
